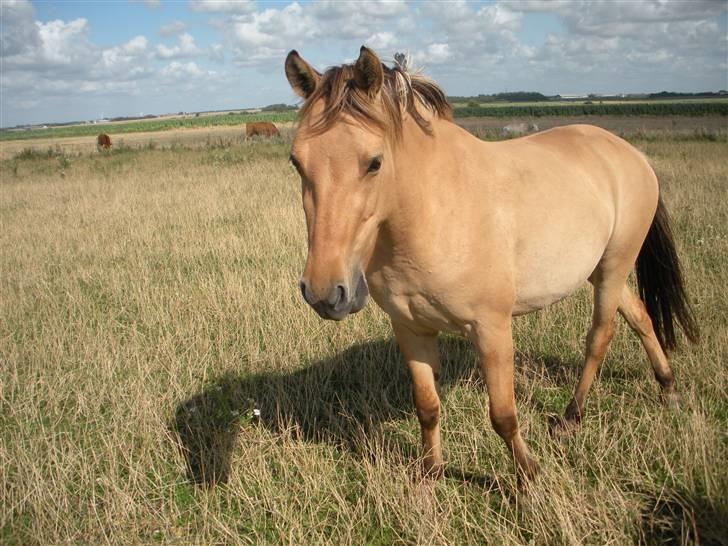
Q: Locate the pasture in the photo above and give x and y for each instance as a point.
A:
(163, 381)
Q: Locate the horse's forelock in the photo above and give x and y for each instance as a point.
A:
(401, 92)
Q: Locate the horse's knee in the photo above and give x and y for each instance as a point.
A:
(428, 414)
(504, 423)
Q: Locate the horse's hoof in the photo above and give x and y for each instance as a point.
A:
(672, 400)
(529, 470)
(526, 474)
(562, 428)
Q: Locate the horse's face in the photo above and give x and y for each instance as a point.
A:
(343, 170)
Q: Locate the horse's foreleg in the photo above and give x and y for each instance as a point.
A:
(494, 343)
(634, 312)
(423, 360)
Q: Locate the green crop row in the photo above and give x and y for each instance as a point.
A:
(619, 109)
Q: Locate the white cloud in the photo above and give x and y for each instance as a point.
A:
(223, 6)
(216, 53)
(596, 46)
(382, 41)
(437, 53)
(177, 71)
(175, 27)
(185, 48)
(18, 31)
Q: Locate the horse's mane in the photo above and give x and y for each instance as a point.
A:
(402, 92)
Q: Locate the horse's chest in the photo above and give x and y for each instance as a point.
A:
(412, 303)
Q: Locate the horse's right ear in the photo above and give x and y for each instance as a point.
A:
(301, 75)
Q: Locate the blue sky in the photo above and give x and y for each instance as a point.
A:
(71, 60)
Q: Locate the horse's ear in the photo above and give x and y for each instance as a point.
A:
(301, 75)
(368, 73)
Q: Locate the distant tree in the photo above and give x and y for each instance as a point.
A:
(280, 107)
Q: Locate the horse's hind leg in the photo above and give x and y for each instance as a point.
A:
(608, 285)
(634, 312)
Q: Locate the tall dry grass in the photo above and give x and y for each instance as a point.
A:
(148, 308)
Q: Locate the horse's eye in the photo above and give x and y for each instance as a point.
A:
(375, 164)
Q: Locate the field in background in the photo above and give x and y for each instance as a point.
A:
(150, 125)
(632, 108)
(488, 128)
(595, 107)
(149, 305)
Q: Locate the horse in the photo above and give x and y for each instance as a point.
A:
(103, 142)
(261, 128)
(451, 233)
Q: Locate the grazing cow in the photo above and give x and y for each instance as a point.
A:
(261, 128)
(103, 142)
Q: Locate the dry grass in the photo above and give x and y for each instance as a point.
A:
(148, 305)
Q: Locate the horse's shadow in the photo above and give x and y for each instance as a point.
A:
(339, 400)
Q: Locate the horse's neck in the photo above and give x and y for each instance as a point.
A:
(427, 164)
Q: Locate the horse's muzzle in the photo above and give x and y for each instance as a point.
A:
(341, 300)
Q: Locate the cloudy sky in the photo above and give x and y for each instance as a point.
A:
(68, 60)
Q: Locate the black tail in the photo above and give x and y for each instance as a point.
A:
(660, 283)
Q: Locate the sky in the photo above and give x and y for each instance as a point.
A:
(70, 60)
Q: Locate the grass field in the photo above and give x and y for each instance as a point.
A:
(149, 305)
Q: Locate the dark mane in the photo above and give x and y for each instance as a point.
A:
(401, 93)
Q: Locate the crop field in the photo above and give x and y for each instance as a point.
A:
(150, 125)
(716, 107)
(162, 380)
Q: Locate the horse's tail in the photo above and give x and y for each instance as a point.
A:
(660, 283)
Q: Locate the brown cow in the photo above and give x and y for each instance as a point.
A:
(261, 128)
(103, 142)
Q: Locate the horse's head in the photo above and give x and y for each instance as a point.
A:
(350, 125)
(343, 164)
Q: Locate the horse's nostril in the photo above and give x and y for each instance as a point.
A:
(341, 292)
(337, 296)
(304, 290)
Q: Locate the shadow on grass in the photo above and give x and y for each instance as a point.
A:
(340, 400)
(673, 517)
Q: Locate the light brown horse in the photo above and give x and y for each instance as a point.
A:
(449, 233)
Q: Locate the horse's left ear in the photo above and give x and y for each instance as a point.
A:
(301, 75)
(368, 73)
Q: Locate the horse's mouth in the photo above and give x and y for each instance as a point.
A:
(342, 309)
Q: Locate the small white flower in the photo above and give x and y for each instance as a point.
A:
(256, 412)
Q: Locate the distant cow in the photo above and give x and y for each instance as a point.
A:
(103, 142)
(261, 128)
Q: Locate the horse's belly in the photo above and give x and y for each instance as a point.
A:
(541, 282)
